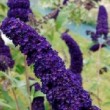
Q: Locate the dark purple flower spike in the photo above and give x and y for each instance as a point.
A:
(76, 56)
(102, 25)
(19, 9)
(75, 53)
(62, 89)
(6, 60)
(102, 29)
(102, 22)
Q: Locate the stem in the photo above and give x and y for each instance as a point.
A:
(98, 76)
(27, 82)
(98, 98)
(13, 92)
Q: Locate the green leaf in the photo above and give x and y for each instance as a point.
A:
(39, 93)
(20, 69)
(61, 19)
(3, 103)
(106, 104)
(32, 92)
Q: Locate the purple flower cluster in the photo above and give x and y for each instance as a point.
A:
(76, 56)
(6, 60)
(96, 47)
(102, 28)
(38, 102)
(19, 9)
(102, 22)
(18, 3)
(62, 89)
(75, 52)
(68, 95)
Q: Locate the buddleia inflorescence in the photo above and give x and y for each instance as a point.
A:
(62, 89)
(6, 60)
(19, 9)
(102, 29)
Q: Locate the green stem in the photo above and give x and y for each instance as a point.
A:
(27, 82)
(98, 76)
(13, 92)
